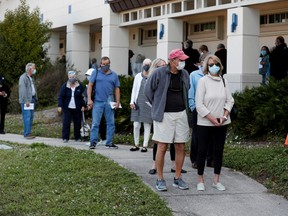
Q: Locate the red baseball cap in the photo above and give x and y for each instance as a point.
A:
(178, 53)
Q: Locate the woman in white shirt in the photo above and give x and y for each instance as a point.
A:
(213, 103)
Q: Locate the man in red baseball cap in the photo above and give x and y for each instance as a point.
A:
(167, 90)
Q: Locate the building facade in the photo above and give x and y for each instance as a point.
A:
(86, 29)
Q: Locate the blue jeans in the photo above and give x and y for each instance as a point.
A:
(98, 109)
(27, 117)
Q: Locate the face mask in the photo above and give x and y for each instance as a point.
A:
(105, 68)
(214, 69)
(34, 72)
(263, 52)
(72, 80)
(181, 65)
(146, 67)
(201, 53)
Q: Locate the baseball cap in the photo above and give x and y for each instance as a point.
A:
(178, 53)
(89, 72)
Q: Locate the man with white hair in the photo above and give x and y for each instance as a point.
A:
(27, 98)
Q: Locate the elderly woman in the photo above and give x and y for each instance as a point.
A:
(140, 110)
(71, 103)
(213, 103)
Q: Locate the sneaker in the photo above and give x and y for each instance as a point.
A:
(200, 186)
(29, 136)
(112, 146)
(194, 165)
(65, 140)
(92, 145)
(180, 184)
(78, 140)
(152, 171)
(219, 186)
(161, 185)
(101, 142)
(144, 149)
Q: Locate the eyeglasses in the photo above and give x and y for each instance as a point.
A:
(211, 65)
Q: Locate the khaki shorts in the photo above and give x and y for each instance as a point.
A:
(173, 129)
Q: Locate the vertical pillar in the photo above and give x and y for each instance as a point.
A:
(242, 48)
(171, 38)
(77, 51)
(115, 43)
(53, 46)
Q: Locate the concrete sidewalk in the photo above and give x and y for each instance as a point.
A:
(243, 197)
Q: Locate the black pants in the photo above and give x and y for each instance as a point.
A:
(172, 151)
(68, 115)
(3, 108)
(194, 142)
(216, 136)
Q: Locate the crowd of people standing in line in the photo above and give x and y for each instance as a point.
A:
(164, 95)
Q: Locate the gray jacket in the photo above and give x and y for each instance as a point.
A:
(25, 89)
(156, 90)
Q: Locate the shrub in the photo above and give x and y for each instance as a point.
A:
(262, 110)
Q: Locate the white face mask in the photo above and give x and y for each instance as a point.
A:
(181, 65)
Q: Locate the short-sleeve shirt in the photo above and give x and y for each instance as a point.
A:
(105, 84)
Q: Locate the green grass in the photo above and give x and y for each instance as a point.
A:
(44, 180)
(267, 164)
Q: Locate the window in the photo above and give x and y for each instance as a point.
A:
(148, 37)
(273, 18)
(203, 27)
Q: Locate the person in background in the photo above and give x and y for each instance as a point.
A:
(193, 60)
(94, 64)
(140, 110)
(71, 103)
(264, 63)
(4, 95)
(130, 55)
(137, 66)
(156, 63)
(221, 53)
(194, 78)
(167, 90)
(105, 83)
(278, 59)
(28, 98)
(203, 50)
(213, 103)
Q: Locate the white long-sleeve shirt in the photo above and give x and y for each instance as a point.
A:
(212, 97)
(136, 87)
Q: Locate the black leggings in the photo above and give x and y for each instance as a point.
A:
(215, 135)
(172, 151)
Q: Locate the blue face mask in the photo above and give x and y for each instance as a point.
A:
(105, 68)
(146, 67)
(72, 80)
(214, 69)
(34, 72)
(263, 52)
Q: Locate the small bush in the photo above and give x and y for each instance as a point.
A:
(262, 111)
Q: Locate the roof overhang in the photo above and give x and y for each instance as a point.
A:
(123, 5)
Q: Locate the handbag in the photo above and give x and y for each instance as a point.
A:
(234, 110)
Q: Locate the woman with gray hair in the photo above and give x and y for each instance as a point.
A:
(71, 103)
(213, 103)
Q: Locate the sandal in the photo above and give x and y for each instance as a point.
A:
(144, 149)
(135, 148)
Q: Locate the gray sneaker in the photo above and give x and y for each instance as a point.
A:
(180, 184)
(161, 185)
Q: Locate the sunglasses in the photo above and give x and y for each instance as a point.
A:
(211, 65)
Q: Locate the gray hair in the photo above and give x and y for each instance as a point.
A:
(29, 66)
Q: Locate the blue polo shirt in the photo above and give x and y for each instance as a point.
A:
(105, 85)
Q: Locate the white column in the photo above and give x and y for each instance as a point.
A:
(53, 47)
(243, 48)
(115, 43)
(172, 37)
(77, 51)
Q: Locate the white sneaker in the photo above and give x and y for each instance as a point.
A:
(200, 187)
(219, 186)
(102, 142)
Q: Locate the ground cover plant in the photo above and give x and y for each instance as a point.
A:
(44, 180)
